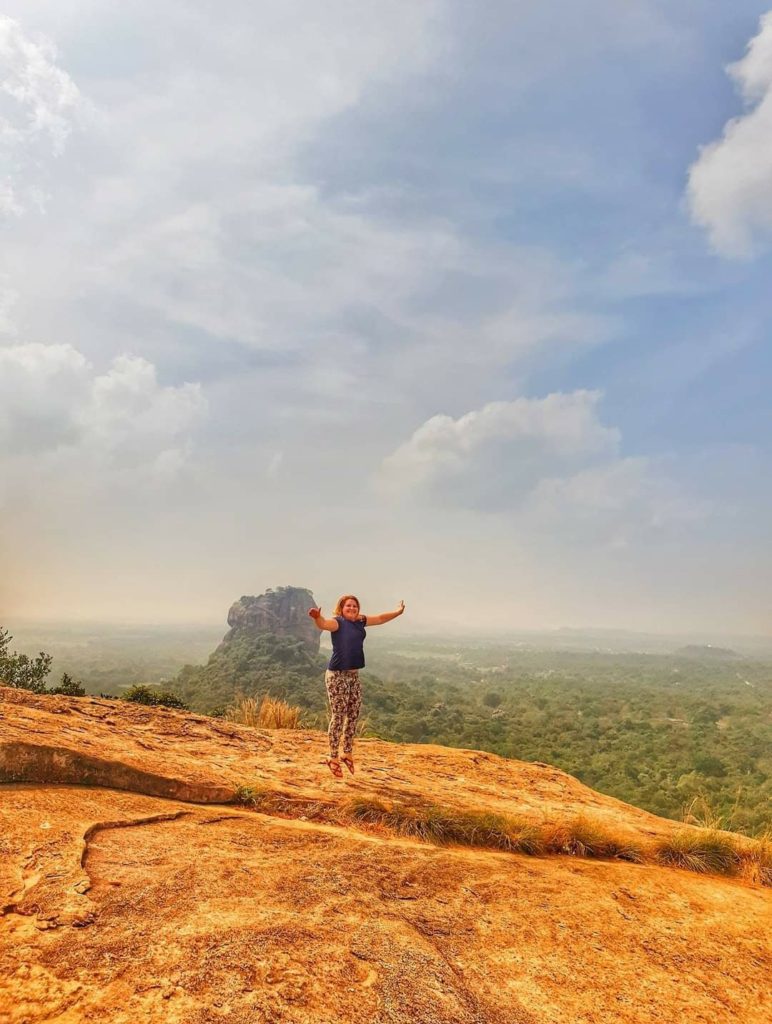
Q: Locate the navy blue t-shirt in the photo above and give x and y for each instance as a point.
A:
(348, 644)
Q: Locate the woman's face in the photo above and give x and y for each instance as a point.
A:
(350, 610)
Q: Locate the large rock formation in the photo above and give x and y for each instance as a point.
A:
(282, 612)
(136, 898)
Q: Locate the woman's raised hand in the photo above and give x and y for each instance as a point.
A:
(314, 612)
(401, 607)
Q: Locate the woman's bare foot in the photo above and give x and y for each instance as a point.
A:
(334, 765)
(348, 760)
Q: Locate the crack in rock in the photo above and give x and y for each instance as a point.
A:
(101, 826)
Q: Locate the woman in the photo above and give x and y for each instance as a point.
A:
(344, 691)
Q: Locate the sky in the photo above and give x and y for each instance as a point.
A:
(464, 306)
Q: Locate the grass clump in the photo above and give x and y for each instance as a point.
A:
(734, 854)
(249, 796)
(579, 837)
(757, 861)
(582, 837)
(701, 850)
(444, 826)
(269, 713)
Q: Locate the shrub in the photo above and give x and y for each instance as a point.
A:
(69, 688)
(141, 694)
(250, 796)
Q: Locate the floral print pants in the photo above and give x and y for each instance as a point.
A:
(344, 692)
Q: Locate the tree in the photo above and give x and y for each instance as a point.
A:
(69, 688)
(21, 671)
(708, 764)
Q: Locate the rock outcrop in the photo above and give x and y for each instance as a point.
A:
(144, 895)
(282, 612)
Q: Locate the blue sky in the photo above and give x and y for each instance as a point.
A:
(466, 308)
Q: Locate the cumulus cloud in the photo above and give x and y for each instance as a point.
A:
(54, 405)
(497, 454)
(38, 105)
(730, 184)
(550, 463)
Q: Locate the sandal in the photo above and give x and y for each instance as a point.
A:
(349, 763)
(334, 765)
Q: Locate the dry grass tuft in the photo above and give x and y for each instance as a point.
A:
(582, 837)
(702, 850)
(270, 713)
(756, 864)
(700, 813)
(579, 837)
(734, 854)
(364, 727)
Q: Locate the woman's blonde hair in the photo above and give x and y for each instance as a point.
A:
(342, 601)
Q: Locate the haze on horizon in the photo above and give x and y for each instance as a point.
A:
(392, 299)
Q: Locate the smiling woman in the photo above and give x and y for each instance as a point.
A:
(344, 690)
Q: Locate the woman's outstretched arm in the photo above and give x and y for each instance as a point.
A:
(322, 623)
(378, 620)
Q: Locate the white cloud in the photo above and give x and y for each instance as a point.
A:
(550, 464)
(54, 404)
(38, 105)
(730, 184)
(754, 72)
(496, 454)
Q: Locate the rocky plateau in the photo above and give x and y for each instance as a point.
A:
(133, 887)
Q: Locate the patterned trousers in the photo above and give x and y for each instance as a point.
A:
(344, 692)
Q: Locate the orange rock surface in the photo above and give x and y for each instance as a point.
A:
(131, 890)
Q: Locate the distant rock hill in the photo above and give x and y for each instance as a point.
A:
(708, 651)
(135, 887)
(280, 612)
(272, 646)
